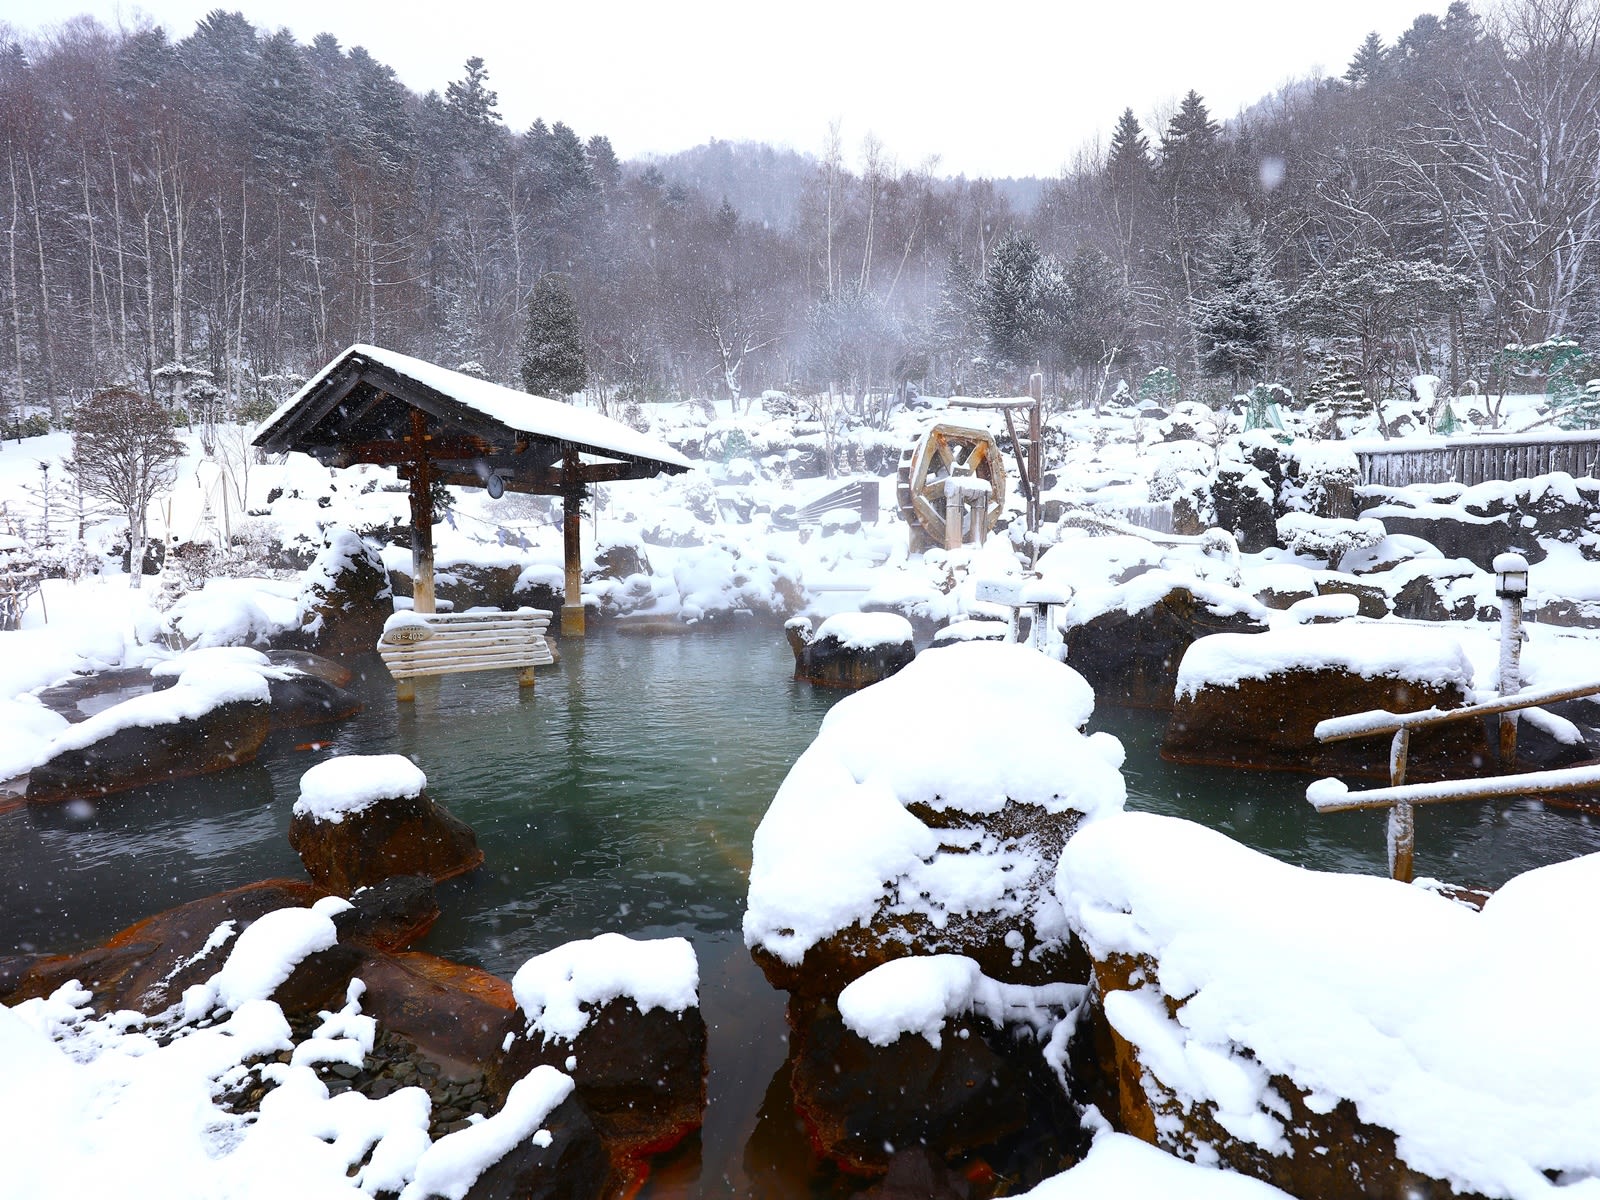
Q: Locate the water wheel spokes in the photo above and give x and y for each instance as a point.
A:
(946, 451)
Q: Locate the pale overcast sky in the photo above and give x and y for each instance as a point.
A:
(998, 87)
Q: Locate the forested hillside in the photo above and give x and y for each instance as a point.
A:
(212, 217)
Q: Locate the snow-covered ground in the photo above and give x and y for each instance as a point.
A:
(118, 1104)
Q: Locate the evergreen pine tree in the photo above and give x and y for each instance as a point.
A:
(1367, 67)
(553, 361)
(1008, 306)
(1237, 320)
(1130, 174)
(954, 323)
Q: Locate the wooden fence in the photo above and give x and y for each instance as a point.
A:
(1470, 461)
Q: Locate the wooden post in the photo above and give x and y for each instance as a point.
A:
(422, 596)
(1402, 818)
(952, 514)
(571, 531)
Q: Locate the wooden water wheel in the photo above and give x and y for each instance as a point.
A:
(943, 451)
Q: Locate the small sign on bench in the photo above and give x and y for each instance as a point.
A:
(416, 644)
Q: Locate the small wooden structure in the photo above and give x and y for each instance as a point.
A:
(1400, 798)
(951, 487)
(433, 425)
(447, 643)
(1027, 444)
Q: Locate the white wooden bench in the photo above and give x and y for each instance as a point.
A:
(416, 644)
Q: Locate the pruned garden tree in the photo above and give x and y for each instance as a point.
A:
(553, 360)
(124, 453)
(1370, 300)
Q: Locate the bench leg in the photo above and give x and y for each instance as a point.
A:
(405, 690)
(525, 677)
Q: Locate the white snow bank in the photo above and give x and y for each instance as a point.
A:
(837, 841)
(263, 956)
(1372, 650)
(1356, 988)
(236, 612)
(865, 630)
(1124, 1167)
(917, 995)
(199, 690)
(100, 1106)
(353, 783)
(452, 1165)
(557, 990)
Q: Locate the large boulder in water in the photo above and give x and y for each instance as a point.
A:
(147, 966)
(299, 697)
(362, 818)
(346, 597)
(1127, 640)
(622, 1017)
(850, 650)
(928, 1052)
(905, 829)
(1335, 1035)
(1255, 700)
(215, 715)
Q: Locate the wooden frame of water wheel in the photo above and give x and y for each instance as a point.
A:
(919, 482)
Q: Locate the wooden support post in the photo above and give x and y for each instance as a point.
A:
(1402, 819)
(422, 596)
(571, 530)
(952, 516)
(405, 690)
(525, 677)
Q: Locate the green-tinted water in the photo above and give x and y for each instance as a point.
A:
(622, 795)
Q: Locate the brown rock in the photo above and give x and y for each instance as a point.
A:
(147, 965)
(307, 663)
(1371, 601)
(346, 598)
(304, 699)
(863, 1103)
(1332, 1155)
(405, 835)
(572, 1167)
(1131, 659)
(826, 661)
(1269, 724)
(457, 1016)
(641, 1075)
(1026, 829)
(390, 915)
(229, 734)
(618, 561)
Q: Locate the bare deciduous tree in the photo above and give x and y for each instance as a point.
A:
(124, 452)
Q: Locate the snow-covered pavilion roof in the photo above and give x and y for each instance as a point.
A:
(359, 408)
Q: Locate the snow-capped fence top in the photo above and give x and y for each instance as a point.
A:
(1472, 461)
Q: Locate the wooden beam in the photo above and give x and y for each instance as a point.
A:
(421, 517)
(298, 422)
(389, 452)
(571, 528)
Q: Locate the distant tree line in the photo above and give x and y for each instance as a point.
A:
(211, 219)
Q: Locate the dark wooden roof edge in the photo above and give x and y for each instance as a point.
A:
(297, 417)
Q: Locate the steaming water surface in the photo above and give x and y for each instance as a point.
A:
(622, 795)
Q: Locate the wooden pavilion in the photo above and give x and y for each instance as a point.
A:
(371, 405)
